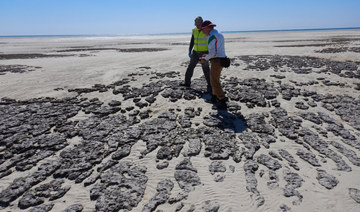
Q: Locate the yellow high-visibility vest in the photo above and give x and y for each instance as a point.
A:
(200, 40)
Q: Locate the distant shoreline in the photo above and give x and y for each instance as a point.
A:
(181, 33)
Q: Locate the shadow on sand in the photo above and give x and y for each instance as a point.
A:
(227, 120)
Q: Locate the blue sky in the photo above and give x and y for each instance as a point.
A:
(54, 17)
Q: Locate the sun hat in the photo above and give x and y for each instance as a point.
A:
(198, 20)
(207, 23)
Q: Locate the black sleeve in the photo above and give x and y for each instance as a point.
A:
(191, 43)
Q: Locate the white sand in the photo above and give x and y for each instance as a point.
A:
(105, 67)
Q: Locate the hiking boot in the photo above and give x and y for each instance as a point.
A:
(185, 84)
(221, 105)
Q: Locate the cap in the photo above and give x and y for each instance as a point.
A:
(207, 23)
(198, 20)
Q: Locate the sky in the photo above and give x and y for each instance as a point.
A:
(124, 17)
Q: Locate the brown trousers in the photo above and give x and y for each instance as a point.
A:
(215, 71)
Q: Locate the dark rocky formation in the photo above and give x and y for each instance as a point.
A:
(121, 187)
(94, 149)
(308, 157)
(217, 166)
(163, 192)
(250, 167)
(294, 181)
(269, 162)
(210, 206)
(16, 68)
(299, 64)
(74, 208)
(326, 180)
(355, 194)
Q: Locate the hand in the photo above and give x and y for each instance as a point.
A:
(202, 60)
(189, 53)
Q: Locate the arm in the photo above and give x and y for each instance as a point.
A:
(191, 43)
(212, 45)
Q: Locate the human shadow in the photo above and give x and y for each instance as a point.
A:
(227, 119)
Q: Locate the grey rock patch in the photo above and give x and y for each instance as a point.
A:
(217, 166)
(250, 167)
(308, 157)
(163, 189)
(326, 180)
(269, 162)
(194, 148)
(210, 206)
(74, 208)
(121, 187)
(355, 194)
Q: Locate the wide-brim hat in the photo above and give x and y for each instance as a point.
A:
(207, 23)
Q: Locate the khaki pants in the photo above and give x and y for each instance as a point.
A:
(215, 71)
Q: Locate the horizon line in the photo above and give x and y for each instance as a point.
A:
(177, 33)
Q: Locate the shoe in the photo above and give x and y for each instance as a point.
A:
(221, 105)
(185, 84)
(213, 100)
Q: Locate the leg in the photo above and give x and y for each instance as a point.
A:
(206, 70)
(215, 79)
(190, 70)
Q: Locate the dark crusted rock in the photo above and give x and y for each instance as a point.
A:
(38, 195)
(321, 146)
(210, 206)
(108, 164)
(285, 124)
(91, 180)
(250, 167)
(294, 181)
(301, 105)
(163, 189)
(150, 99)
(308, 157)
(275, 155)
(287, 156)
(162, 165)
(217, 166)
(251, 143)
(269, 162)
(194, 147)
(350, 154)
(311, 117)
(220, 146)
(266, 140)
(124, 151)
(185, 165)
(187, 179)
(74, 208)
(22, 184)
(326, 180)
(285, 208)
(42, 208)
(114, 103)
(256, 122)
(30, 199)
(355, 194)
(164, 153)
(121, 187)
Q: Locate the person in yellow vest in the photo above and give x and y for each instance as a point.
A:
(198, 46)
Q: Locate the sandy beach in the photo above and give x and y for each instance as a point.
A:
(101, 124)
